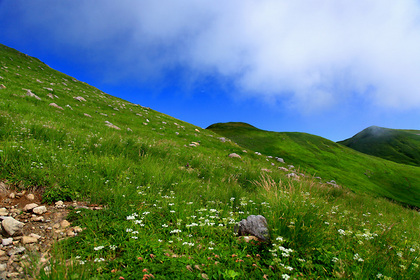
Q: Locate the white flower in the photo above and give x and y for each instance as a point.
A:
(285, 276)
(412, 250)
(98, 248)
(165, 225)
(129, 230)
(113, 247)
(334, 259)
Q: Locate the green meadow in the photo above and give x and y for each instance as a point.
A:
(172, 195)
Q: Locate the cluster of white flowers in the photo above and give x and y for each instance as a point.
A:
(98, 248)
(176, 231)
(358, 258)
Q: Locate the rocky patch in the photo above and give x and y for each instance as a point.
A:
(29, 228)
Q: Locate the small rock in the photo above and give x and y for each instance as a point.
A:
(2, 253)
(280, 160)
(40, 210)
(234, 155)
(12, 195)
(64, 224)
(34, 235)
(12, 226)
(59, 204)
(30, 196)
(50, 95)
(29, 240)
(87, 115)
(4, 212)
(31, 94)
(2, 86)
(7, 241)
(15, 251)
(29, 207)
(56, 106)
(3, 267)
(70, 233)
(38, 219)
(284, 169)
(77, 229)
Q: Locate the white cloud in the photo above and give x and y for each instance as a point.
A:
(313, 54)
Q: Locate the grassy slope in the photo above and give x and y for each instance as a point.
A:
(170, 208)
(402, 146)
(321, 157)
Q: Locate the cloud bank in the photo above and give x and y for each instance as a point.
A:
(310, 54)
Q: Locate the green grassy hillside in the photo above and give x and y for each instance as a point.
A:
(172, 195)
(402, 146)
(331, 161)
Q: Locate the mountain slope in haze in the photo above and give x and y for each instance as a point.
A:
(402, 146)
(329, 160)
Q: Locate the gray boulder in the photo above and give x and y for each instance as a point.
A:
(12, 227)
(255, 225)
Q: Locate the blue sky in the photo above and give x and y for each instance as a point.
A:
(330, 68)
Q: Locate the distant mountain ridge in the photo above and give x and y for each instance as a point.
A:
(331, 161)
(398, 145)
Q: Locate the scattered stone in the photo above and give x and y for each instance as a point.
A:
(7, 241)
(56, 106)
(64, 224)
(2, 253)
(222, 139)
(59, 204)
(255, 226)
(40, 210)
(68, 106)
(292, 175)
(30, 196)
(258, 153)
(31, 94)
(12, 195)
(283, 168)
(79, 98)
(70, 233)
(38, 219)
(12, 226)
(49, 89)
(280, 160)
(2, 86)
(234, 155)
(265, 170)
(3, 267)
(197, 130)
(87, 115)
(16, 251)
(30, 206)
(107, 123)
(29, 240)
(290, 166)
(4, 212)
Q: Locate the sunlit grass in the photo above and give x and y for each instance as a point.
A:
(170, 207)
